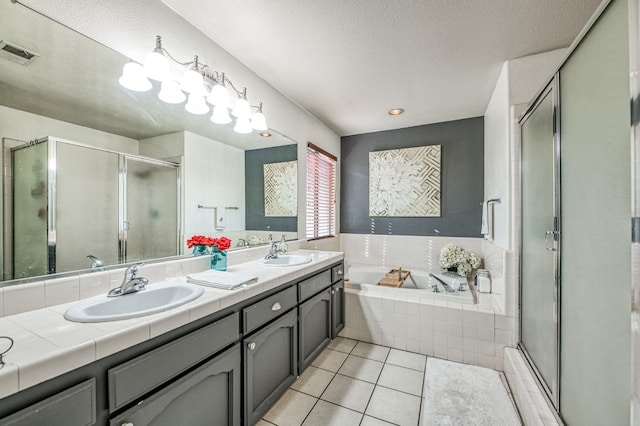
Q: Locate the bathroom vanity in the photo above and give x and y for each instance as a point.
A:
(225, 368)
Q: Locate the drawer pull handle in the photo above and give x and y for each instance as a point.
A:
(276, 306)
(251, 346)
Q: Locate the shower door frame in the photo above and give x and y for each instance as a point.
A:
(553, 392)
(52, 198)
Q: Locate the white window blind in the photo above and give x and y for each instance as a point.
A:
(321, 193)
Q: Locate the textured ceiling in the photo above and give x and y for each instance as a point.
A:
(349, 62)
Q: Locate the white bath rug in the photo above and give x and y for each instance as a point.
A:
(459, 394)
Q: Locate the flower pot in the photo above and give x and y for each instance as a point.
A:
(218, 259)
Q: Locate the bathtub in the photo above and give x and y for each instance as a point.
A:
(365, 278)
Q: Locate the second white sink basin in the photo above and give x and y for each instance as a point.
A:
(155, 298)
(287, 260)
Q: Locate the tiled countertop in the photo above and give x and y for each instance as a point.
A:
(47, 345)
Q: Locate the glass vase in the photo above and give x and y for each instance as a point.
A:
(218, 259)
(200, 250)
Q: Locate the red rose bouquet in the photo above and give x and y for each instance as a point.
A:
(222, 243)
(200, 240)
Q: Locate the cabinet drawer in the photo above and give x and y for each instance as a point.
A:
(75, 406)
(142, 374)
(314, 285)
(272, 307)
(337, 273)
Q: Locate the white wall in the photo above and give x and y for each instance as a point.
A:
(519, 81)
(496, 157)
(20, 125)
(213, 177)
(130, 27)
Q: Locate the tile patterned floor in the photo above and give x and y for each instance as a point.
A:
(354, 383)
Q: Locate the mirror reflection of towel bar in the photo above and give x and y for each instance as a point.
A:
(200, 206)
(493, 200)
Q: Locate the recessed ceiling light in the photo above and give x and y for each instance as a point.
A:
(396, 111)
(265, 134)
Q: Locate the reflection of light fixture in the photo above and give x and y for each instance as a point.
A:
(396, 111)
(196, 104)
(258, 121)
(220, 115)
(133, 78)
(170, 92)
(265, 134)
(156, 65)
(243, 125)
(200, 82)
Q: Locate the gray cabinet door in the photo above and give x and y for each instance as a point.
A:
(271, 365)
(75, 406)
(337, 308)
(209, 395)
(315, 327)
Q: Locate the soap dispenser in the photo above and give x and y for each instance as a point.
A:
(283, 244)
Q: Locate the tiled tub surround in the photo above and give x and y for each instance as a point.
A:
(473, 334)
(47, 345)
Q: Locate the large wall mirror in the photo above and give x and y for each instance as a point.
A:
(91, 168)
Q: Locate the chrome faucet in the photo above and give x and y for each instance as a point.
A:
(242, 243)
(95, 262)
(131, 282)
(446, 286)
(274, 251)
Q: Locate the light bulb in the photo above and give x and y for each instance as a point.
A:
(243, 126)
(258, 121)
(220, 115)
(241, 109)
(170, 92)
(196, 104)
(219, 96)
(156, 66)
(192, 82)
(133, 78)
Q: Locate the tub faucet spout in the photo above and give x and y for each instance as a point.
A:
(446, 286)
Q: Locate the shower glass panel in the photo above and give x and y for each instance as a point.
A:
(30, 198)
(539, 328)
(596, 202)
(86, 206)
(151, 214)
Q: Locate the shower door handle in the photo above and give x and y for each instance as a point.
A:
(553, 241)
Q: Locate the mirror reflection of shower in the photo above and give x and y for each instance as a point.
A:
(87, 202)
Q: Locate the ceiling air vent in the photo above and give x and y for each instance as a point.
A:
(15, 53)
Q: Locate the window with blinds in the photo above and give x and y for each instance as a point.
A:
(321, 193)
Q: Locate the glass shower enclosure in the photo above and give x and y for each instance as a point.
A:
(71, 200)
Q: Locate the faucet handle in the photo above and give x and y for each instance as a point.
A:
(132, 271)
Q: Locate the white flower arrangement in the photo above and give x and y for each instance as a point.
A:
(452, 256)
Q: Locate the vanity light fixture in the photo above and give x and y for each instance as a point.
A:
(258, 121)
(265, 134)
(396, 111)
(202, 84)
(134, 78)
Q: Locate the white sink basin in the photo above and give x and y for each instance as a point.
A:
(287, 260)
(155, 298)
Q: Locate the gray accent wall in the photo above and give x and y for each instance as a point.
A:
(462, 179)
(254, 161)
